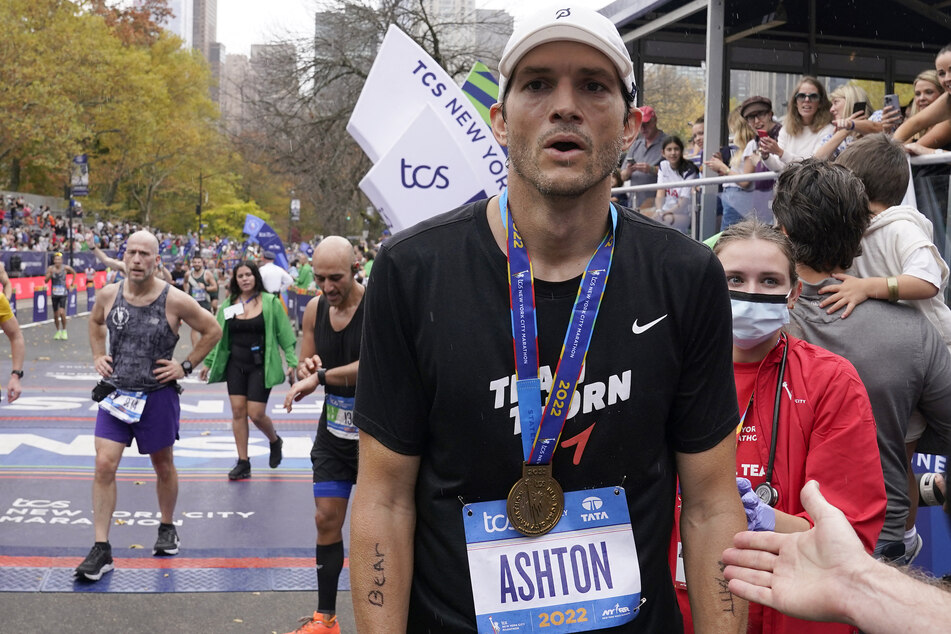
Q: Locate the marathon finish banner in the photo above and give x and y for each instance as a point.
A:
(403, 81)
(420, 174)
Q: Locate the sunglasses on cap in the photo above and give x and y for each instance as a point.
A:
(812, 96)
(756, 115)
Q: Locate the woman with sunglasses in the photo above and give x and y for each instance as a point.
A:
(808, 121)
(804, 412)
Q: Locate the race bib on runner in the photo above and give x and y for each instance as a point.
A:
(59, 289)
(234, 310)
(125, 405)
(581, 576)
(340, 417)
(199, 294)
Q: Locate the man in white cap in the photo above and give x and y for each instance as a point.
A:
(521, 432)
(274, 277)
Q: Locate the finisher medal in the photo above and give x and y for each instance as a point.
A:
(536, 502)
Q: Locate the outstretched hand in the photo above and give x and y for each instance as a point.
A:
(800, 574)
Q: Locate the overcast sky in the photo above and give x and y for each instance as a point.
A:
(242, 23)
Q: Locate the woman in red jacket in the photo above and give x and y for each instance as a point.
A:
(804, 412)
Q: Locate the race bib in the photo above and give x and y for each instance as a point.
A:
(59, 289)
(340, 417)
(233, 310)
(125, 405)
(581, 576)
(199, 294)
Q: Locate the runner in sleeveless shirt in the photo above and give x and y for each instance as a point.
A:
(142, 315)
(59, 292)
(332, 327)
(201, 284)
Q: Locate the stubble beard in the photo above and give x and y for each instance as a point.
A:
(525, 161)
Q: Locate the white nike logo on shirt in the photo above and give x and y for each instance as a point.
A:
(637, 330)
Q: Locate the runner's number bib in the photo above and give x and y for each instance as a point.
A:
(125, 405)
(340, 417)
(581, 576)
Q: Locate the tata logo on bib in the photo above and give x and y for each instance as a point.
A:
(496, 523)
(593, 505)
(423, 176)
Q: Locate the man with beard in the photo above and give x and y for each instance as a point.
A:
(464, 462)
(330, 350)
(138, 394)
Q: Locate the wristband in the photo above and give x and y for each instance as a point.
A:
(322, 376)
(892, 289)
(18, 373)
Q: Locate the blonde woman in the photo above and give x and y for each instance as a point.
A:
(737, 197)
(808, 120)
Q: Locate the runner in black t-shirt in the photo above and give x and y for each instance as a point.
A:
(330, 350)
(441, 440)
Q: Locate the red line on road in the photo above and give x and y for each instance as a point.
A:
(166, 562)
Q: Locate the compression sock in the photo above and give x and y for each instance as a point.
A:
(911, 537)
(329, 564)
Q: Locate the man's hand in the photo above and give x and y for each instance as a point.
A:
(805, 575)
(168, 370)
(103, 365)
(299, 390)
(309, 366)
(203, 373)
(13, 388)
(849, 294)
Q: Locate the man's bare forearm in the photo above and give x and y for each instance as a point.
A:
(381, 537)
(714, 607)
(381, 564)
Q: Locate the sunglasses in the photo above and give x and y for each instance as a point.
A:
(812, 96)
(756, 115)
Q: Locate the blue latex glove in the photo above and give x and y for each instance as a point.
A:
(759, 515)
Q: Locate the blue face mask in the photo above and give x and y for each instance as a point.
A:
(757, 317)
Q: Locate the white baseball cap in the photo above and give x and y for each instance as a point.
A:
(576, 24)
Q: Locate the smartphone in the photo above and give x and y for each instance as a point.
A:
(892, 100)
(859, 107)
(762, 134)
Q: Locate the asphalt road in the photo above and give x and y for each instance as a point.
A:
(114, 612)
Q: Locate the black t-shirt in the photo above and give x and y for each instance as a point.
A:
(437, 374)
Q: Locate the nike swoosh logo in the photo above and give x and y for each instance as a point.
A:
(638, 330)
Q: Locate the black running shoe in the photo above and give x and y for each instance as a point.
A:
(167, 542)
(97, 563)
(241, 470)
(276, 452)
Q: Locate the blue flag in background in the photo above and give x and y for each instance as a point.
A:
(262, 233)
(252, 224)
(307, 249)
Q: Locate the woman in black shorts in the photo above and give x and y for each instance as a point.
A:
(254, 329)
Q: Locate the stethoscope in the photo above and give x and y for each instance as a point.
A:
(766, 491)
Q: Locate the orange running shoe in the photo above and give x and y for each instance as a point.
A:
(318, 624)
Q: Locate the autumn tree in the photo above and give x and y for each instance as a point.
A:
(306, 92)
(677, 97)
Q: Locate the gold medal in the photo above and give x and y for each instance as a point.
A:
(536, 502)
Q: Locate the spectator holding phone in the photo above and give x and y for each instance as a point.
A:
(808, 121)
(640, 165)
(672, 204)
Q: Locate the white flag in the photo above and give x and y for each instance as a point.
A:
(403, 80)
(423, 174)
